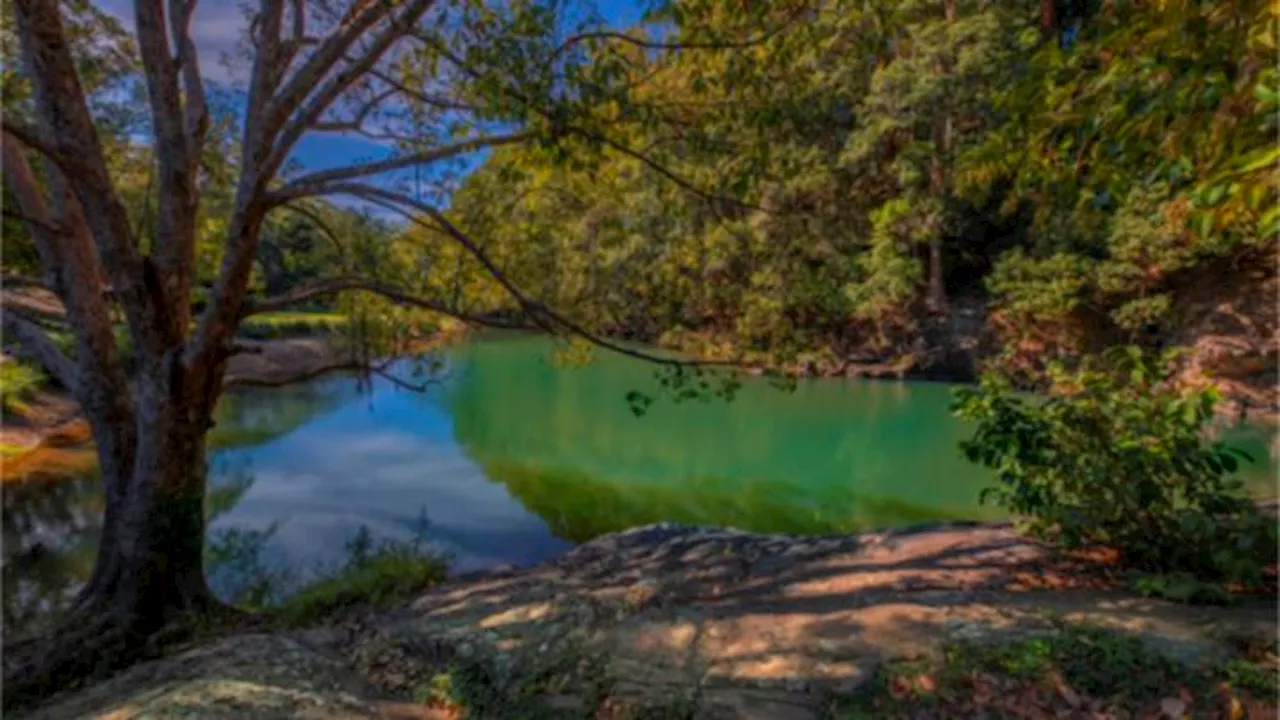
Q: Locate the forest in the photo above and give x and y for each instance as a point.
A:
(1005, 193)
(865, 184)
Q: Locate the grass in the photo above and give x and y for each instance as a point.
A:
(389, 576)
(373, 575)
(479, 688)
(1077, 670)
(292, 325)
(18, 382)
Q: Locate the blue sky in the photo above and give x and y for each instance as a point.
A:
(219, 25)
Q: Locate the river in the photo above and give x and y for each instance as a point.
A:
(514, 458)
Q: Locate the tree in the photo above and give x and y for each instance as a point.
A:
(436, 81)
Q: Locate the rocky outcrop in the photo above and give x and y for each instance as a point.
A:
(715, 624)
(1229, 323)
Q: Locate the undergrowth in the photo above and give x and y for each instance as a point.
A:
(18, 382)
(1117, 456)
(1078, 670)
(373, 574)
(268, 326)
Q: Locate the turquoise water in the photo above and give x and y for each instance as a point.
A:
(513, 459)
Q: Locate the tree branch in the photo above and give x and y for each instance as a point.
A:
(357, 122)
(196, 118)
(360, 17)
(315, 183)
(320, 223)
(36, 345)
(658, 45)
(425, 99)
(545, 317)
(332, 286)
(63, 112)
(32, 138)
(241, 381)
(14, 280)
(329, 92)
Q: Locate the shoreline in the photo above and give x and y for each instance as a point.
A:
(753, 626)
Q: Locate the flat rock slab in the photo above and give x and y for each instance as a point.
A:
(248, 676)
(768, 626)
(739, 626)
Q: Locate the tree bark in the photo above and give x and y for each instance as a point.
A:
(1048, 17)
(149, 572)
(147, 587)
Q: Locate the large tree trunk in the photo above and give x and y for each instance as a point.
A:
(149, 571)
(148, 584)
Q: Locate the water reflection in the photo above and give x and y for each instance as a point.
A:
(515, 460)
(830, 457)
(51, 527)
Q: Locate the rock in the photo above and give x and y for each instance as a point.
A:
(323, 637)
(860, 680)
(565, 703)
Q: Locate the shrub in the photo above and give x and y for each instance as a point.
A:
(18, 381)
(374, 575)
(1117, 455)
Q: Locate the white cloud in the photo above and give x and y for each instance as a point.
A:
(216, 28)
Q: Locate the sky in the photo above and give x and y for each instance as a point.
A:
(219, 25)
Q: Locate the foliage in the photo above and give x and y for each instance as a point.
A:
(1073, 669)
(374, 574)
(292, 324)
(18, 380)
(237, 567)
(1057, 172)
(1117, 455)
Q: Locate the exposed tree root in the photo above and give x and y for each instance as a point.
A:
(98, 640)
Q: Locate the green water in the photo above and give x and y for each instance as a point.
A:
(515, 459)
(828, 457)
(832, 456)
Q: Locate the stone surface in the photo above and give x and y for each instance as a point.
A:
(747, 626)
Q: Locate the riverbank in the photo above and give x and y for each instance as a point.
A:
(679, 622)
(1226, 329)
(50, 435)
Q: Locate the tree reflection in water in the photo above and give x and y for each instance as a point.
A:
(51, 522)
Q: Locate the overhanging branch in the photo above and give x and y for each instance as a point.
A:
(314, 183)
(542, 315)
(36, 345)
(31, 137)
(332, 286)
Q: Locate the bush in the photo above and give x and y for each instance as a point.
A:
(1116, 455)
(18, 381)
(374, 575)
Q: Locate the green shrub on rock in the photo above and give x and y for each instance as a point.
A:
(1117, 455)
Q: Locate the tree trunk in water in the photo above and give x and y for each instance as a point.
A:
(149, 572)
(148, 582)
